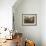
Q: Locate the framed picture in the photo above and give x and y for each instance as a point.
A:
(29, 19)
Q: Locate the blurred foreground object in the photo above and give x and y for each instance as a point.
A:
(29, 43)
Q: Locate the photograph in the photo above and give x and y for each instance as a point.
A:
(29, 19)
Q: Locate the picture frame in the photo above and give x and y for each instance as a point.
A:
(29, 19)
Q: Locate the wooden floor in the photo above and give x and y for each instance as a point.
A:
(9, 43)
(16, 41)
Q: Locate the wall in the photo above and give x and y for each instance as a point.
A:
(28, 7)
(43, 22)
(6, 13)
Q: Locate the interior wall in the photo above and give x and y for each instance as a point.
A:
(6, 13)
(28, 7)
(43, 22)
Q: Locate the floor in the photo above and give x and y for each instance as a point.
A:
(9, 43)
(16, 41)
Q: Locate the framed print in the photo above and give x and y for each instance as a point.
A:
(29, 19)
